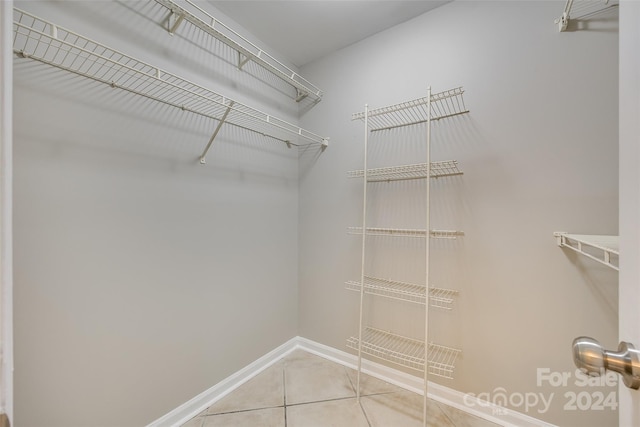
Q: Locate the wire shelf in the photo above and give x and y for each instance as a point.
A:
(407, 232)
(603, 249)
(580, 9)
(46, 42)
(409, 292)
(406, 172)
(407, 352)
(444, 104)
(246, 50)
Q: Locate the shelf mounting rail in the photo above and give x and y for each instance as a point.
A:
(48, 43)
(247, 51)
(603, 249)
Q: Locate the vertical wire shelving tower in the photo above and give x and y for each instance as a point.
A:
(424, 356)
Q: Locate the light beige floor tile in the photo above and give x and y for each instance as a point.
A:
(402, 409)
(333, 413)
(194, 422)
(462, 419)
(265, 390)
(316, 381)
(371, 385)
(271, 417)
(299, 358)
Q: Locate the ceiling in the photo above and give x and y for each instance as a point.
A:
(305, 30)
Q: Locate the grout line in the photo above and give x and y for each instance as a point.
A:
(284, 391)
(322, 401)
(243, 410)
(364, 412)
(439, 405)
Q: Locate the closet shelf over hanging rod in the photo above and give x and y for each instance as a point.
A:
(409, 292)
(46, 42)
(407, 232)
(443, 104)
(406, 172)
(247, 51)
(407, 352)
(600, 248)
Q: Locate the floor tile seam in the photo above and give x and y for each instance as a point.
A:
(364, 412)
(243, 410)
(335, 399)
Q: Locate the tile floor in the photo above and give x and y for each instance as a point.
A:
(304, 390)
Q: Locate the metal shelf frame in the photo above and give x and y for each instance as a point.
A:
(397, 349)
(44, 41)
(407, 172)
(191, 13)
(604, 249)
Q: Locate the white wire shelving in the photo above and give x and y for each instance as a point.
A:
(394, 348)
(407, 172)
(409, 292)
(247, 51)
(407, 352)
(440, 106)
(407, 232)
(577, 9)
(604, 249)
(41, 40)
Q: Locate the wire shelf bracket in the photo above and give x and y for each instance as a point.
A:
(439, 106)
(247, 51)
(41, 40)
(601, 248)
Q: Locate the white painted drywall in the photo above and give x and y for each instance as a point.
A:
(143, 277)
(539, 152)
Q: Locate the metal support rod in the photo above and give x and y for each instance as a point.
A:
(215, 133)
(427, 241)
(364, 236)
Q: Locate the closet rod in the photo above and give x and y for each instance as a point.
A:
(247, 51)
(46, 42)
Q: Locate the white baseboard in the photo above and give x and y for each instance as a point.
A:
(193, 407)
(464, 402)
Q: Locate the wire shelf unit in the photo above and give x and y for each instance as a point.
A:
(409, 292)
(407, 352)
(601, 248)
(407, 232)
(440, 105)
(48, 43)
(576, 9)
(247, 51)
(407, 172)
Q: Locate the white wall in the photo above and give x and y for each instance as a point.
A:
(142, 277)
(539, 151)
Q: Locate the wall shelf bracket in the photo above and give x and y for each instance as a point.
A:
(203, 159)
(177, 20)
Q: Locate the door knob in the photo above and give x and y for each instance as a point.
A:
(589, 356)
